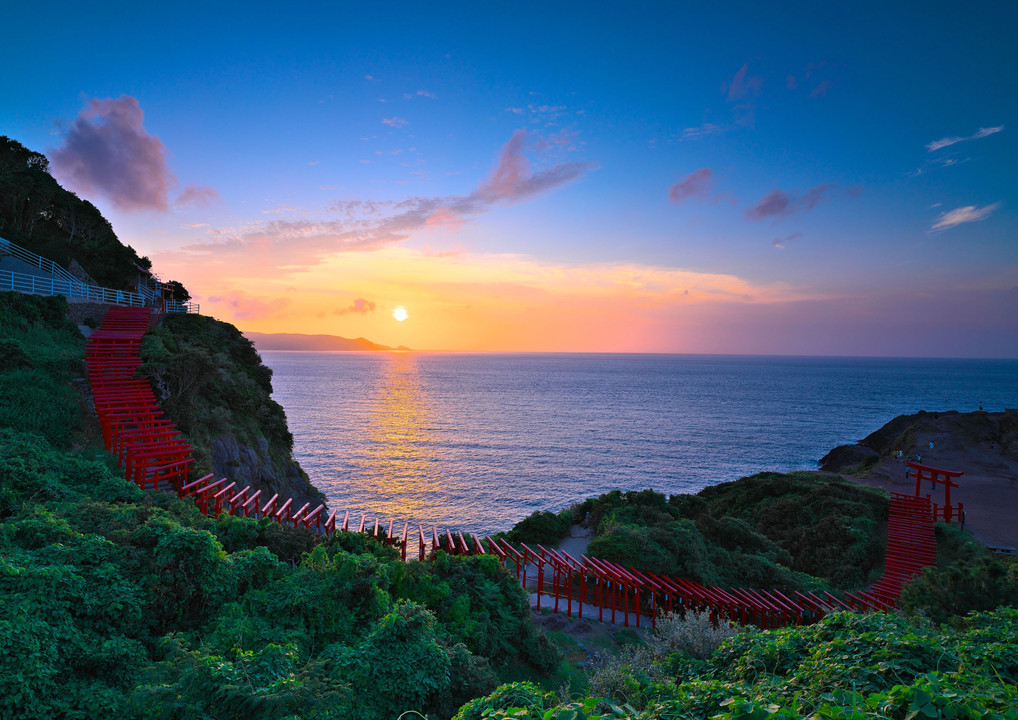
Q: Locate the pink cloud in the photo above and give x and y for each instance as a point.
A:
(742, 85)
(195, 195)
(444, 217)
(359, 306)
(242, 306)
(512, 179)
(696, 184)
(821, 89)
(396, 122)
(107, 151)
(778, 203)
(360, 225)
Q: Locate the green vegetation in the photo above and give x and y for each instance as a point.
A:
(119, 603)
(846, 666)
(41, 216)
(210, 379)
(785, 531)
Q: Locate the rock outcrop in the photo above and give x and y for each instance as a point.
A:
(254, 466)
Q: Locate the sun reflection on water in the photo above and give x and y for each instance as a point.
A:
(399, 465)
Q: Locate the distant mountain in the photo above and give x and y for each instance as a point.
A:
(294, 341)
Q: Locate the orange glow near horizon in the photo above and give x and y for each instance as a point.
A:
(473, 302)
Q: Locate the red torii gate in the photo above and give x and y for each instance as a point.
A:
(938, 476)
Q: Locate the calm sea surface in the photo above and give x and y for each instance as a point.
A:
(477, 442)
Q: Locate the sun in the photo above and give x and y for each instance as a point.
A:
(400, 314)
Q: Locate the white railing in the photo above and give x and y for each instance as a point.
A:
(30, 258)
(35, 285)
(63, 283)
(181, 307)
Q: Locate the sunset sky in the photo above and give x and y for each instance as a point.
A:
(767, 178)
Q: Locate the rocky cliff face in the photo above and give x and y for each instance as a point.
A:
(254, 465)
(988, 440)
(211, 381)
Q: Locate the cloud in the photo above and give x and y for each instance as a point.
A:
(778, 203)
(195, 195)
(444, 217)
(821, 89)
(791, 83)
(948, 141)
(107, 151)
(419, 93)
(696, 184)
(396, 122)
(247, 307)
(704, 130)
(742, 85)
(779, 243)
(271, 247)
(969, 213)
(511, 179)
(359, 306)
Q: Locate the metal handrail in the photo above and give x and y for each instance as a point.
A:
(35, 285)
(30, 258)
(64, 283)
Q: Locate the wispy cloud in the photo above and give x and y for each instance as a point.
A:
(512, 179)
(948, 141)
(364, 225)
(197, 195)
(700, 131)
(779, 243)
(360, 306)
(396, 122)
(419, 93)
(967, 214)
(108, 151)
(243, 306)
(696, 184)
(742, 85)
(778, 203)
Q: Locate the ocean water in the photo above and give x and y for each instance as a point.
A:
(476, 442)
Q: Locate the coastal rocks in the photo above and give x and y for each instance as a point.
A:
(254, 466)
(847, 457)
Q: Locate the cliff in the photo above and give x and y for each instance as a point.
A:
(983, 445)
(212, 383)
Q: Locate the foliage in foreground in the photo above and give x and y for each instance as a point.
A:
(119, 603)
(846, 666)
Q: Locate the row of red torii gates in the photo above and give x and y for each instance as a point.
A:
(154, 453)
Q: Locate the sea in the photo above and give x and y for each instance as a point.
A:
(476, 442)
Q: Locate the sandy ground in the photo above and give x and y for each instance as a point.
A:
(988, 489)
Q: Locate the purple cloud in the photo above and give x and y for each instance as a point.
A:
(696, 184)
(197, 195)
(365, 225)
(778, 203)
(512, 180)
(396, 122)
(107, 151)
(742, 84)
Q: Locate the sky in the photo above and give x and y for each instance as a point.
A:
(744, 178)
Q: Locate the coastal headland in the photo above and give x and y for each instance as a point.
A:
(983, 445)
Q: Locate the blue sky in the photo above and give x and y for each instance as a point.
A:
(746, 178)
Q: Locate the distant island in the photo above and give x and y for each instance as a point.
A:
(295, 341)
